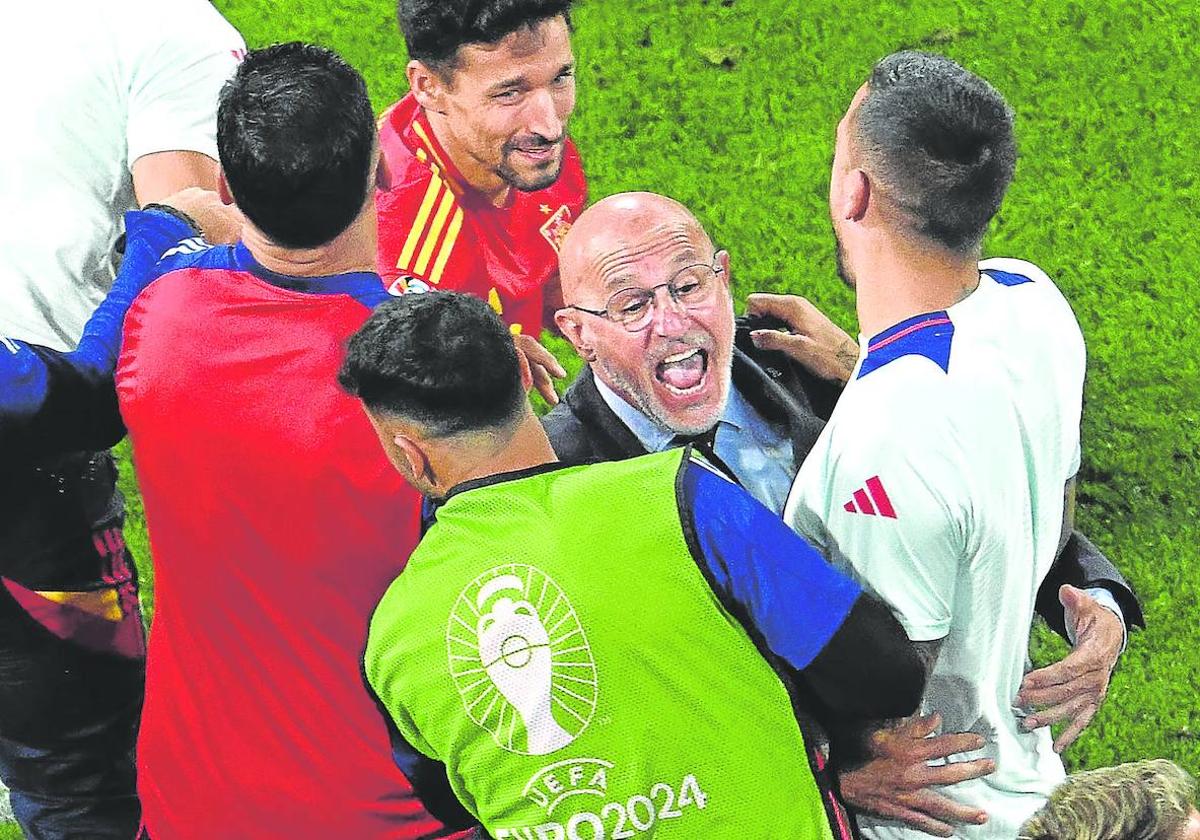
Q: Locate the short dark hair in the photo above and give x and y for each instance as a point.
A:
(941, 139)
(441, 359)
(296, 136)
(434, 30)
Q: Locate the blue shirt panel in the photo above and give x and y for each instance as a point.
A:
(1006, 278)
(792, 597)
(929, 335)
(364, 286)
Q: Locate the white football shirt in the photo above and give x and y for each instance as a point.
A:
(91, 87)
(938, 483)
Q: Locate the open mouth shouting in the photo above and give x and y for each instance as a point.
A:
(685, 373)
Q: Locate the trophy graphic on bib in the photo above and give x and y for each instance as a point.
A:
(514, 648)
(521, 661)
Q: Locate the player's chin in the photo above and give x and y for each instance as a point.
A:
(537, 173)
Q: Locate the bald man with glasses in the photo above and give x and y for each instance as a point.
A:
(662, 362)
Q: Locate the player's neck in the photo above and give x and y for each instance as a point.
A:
(899, 279)
(528, 447)
(477, 176)
(351, 251)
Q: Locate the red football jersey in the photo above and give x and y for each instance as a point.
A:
(276, 524)
(435, 231)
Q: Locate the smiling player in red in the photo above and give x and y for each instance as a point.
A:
(479, 182)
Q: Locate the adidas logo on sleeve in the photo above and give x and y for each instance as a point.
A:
(871, 500)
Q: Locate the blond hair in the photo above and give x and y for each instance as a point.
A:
(1142, 800)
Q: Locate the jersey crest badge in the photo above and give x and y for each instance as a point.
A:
(406, 284)
(556, 227)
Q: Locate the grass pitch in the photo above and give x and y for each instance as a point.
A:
(730, 107)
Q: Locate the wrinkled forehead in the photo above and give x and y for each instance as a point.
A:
(643, 255)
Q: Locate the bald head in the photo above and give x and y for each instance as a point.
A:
(619, 229)
(647, 254)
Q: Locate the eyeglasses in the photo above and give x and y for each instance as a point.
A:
(692, 288)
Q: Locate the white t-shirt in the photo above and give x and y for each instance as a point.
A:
(938, 483)
(91, 87)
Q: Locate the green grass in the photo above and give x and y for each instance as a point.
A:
(730, 106)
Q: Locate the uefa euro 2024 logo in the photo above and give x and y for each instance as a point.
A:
(521, 661)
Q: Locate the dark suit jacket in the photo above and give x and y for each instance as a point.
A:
(583, 429)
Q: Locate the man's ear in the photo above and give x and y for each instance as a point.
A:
(571, 326)
(858, 197)
(723, 264)
(223, 190)
(412, 454)
(526, 373)
(427, 86)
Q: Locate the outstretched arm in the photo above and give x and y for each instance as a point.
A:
(841, 643)
(59, 402)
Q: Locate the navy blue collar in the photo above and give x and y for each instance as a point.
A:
(928, 335)
(363, 286)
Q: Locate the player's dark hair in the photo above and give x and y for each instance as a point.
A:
(940, 139)
(296, 136)
(435, 29)
(441, 359)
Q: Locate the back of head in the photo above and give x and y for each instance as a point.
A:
(1142, 800)
(435, 29)
(939, 140)
(296, 136)
(441, 360)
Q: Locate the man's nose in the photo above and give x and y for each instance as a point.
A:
(670, 317)
(543, 116)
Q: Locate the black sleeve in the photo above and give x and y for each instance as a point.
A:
(427, 776)
(1082, 565)
(870, 649)
(429, 782)
(75, 408)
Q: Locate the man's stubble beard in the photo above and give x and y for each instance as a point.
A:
(656, 413)
(514, 179)
(843, 268)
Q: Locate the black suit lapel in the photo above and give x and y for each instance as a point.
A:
(612, 438)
